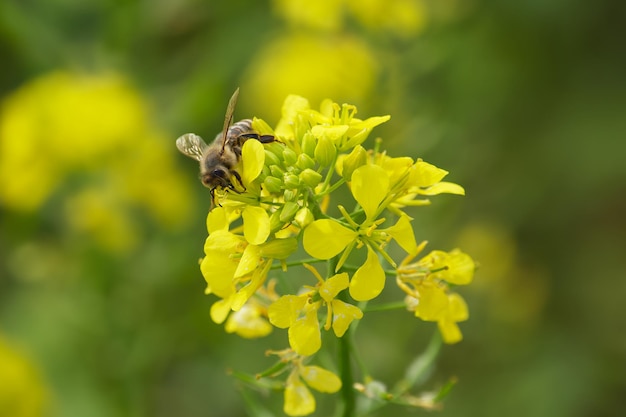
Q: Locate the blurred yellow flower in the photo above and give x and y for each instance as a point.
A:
(402, 18)
(90, 139)
(324, 15)
(314, 67)
(22, 391)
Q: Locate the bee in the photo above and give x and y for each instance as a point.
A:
(219, 160)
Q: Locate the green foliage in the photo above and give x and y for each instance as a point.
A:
(100, 299)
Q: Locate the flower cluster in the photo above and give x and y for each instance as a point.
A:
(55, 142)
(283, 205)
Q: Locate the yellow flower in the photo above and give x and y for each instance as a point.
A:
(313, 67)
(403, 18)
(369, 280)
(298, 399)
(22, 391)
(248, 322)
(428, 294)
(300, 314)
(233, 267)
(326, 238)
(422, 179)
(322, 14)
(94, 128)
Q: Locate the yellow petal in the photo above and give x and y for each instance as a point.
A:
(258, 278)
(456, 267)
(333, 285)
(253, 157)
(433, 302)
(402, 232)
(424, 174)
(284, 311)
(397, 167)
(292, 107)
(450, 332)
(219, 310)
(248, 262)
(457, 308)
(279, 248)
(223, 241)
(304, 334)
(256, 224)
(218, 271)
(217, 220)
(325, 238)
(343, 315)
(320, 379)
(369, 280)
(298, 399)
(443, 188)
(370, 185)
(248, 323)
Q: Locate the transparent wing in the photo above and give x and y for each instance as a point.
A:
(228, 118)
(191, 145)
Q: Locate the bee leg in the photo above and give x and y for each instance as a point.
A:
(213, 198)
(260, 138)
(236, 175)
(267, 139)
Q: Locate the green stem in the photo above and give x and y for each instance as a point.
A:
(345, 359)
(398, 305)
(296, 263)
(347, 379)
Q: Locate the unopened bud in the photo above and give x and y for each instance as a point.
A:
(288, 211)
(290, 157)
(325, 151)
(272, 184)
(291, 181)
(304, 217)
(308, 144)
(355, 159)
(310, 177)
(305, 161)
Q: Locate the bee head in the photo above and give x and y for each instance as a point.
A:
(217, 177)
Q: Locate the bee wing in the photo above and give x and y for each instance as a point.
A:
(228, 118)
(191, 145)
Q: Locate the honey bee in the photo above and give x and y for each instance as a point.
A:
(219, 160)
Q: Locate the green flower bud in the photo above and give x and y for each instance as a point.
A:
(279, 248)
(310, 177)
(277, 171)
(288, 211)
(271, 158)
(353, 160)
(275, 223)
(289, 156)
(325, 151)
(308, 144)
(272, 184)
(290, 195)
(305, 161)
(291, 181)
(303, 217)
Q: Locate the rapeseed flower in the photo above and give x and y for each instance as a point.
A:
(88, 141)
(281, 208)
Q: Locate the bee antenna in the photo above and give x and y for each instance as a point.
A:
(228, 118)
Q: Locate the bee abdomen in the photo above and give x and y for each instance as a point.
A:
(240, 128)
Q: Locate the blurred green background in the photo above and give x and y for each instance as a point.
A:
(102, 221)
